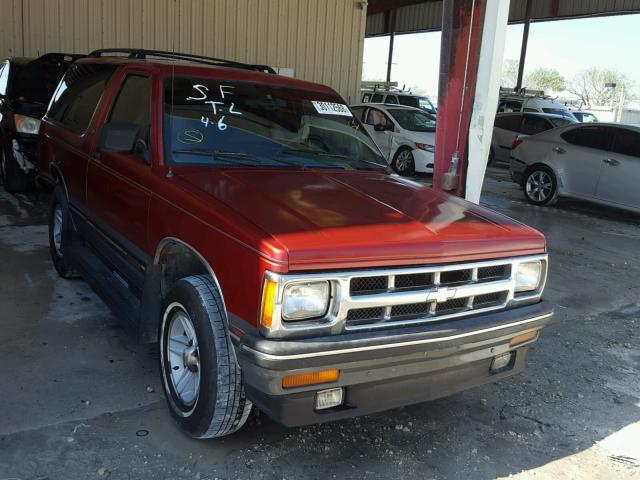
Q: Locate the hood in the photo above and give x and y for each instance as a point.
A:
(362, 219)
(420, 137)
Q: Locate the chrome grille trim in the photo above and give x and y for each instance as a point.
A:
(344, 300)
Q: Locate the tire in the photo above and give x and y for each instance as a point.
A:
(60, 232)
(200, 374)
(540, 186)
(14, 178)
(403, 162)
(492, 157)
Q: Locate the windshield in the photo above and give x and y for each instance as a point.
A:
(559, 111)
(561, 122)
(414, 120)
(213, 122)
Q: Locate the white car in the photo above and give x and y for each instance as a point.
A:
(509, 127)
(395, 97)
(533, 103)
(598, 162)
(405, 135)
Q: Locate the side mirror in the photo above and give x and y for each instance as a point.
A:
(118, 137)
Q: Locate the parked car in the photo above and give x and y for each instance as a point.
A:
(509, 127)
(598, 162)
(26, 86)
(406, 136)
(247, 223)
(585, 117)
(533, 103)
(400, 98)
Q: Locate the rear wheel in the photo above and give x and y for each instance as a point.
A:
(200, 374)
(540, 186)
(403, 162)
(14, 178)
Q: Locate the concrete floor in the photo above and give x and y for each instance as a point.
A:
(79, 400)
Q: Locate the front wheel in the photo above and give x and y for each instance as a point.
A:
(60, 232)
(200, 373)
(540, 186)
(403, 162)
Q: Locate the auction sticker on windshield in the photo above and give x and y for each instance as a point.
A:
(329, 108)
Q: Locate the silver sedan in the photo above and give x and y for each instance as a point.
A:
(598, 162)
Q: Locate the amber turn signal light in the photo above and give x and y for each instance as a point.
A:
(524, 337)
(313, 378)
(268, 299)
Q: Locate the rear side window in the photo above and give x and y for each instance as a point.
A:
(626, 142)
(509, 122)
(409, 101)
(366, 98)
(376, 98)
(78, 95)
(533, 124)
(589, 136)
(392, 99)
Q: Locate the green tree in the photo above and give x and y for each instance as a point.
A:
(590, 86)
(547, 79)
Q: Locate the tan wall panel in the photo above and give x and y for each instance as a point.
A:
(322, 40)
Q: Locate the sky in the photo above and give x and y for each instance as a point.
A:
(566, 45)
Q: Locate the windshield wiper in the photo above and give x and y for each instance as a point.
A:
(291, 151)
(231, 157)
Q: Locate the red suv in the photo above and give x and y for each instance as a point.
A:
(248, 224)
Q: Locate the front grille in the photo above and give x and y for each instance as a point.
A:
(426, 294)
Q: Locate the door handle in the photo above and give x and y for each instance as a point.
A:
(558, 149)
(611, 161)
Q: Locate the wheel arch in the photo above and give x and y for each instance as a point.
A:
(173, 259)
(59, 178)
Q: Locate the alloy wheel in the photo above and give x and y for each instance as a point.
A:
(57, 229)
(403, 161)
(539, 186)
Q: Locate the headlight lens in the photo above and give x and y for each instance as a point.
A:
(425, 146)
(305, 300)
(528, 276)
(26, 124)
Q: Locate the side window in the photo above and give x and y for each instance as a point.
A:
(533, 124)
(391, 99)
(376, 98)
(528, 109)
(509, 122)
(133, 105)
(366, 98)
(4, 78)
(590, 137)
(78, 95)
(626, 142)
(375, 117)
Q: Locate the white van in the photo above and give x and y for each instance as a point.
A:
(530, 103)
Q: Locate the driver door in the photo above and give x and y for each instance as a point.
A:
(380, 128)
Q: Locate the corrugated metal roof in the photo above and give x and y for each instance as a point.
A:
(427, 16)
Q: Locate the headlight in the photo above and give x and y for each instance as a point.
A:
(425, 146)
(27, 124)
(528, 276)
(305, 300)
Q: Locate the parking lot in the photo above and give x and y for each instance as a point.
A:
(81, 400)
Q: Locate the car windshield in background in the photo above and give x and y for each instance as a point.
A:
(216, 122)
(414, 120)
(559, 111)
(561, 122)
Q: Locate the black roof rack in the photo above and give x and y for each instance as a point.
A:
(219, 62)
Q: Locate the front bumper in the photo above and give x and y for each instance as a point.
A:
(385, 369)
(423, 160)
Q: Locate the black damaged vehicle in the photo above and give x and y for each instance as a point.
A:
(26, 87)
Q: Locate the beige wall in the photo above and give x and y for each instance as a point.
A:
(322, 40)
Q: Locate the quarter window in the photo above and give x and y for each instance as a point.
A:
(626, 142)
(376, 98)
(78, 95)
(392, 99)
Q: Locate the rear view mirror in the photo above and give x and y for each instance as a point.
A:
(118, 137)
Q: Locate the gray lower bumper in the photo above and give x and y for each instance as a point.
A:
(387, 370)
